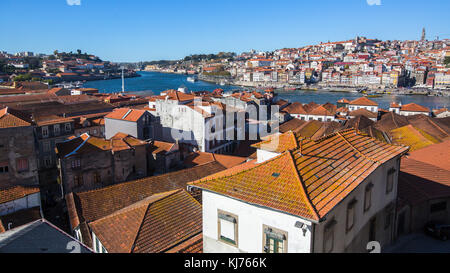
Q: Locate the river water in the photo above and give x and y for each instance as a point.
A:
(154, 83)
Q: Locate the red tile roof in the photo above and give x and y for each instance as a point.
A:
(420, 181)
(364, 101)
(295, 108)
(93, 205)
(310, 180)
(88, 144)
(10, 118)
(155, 224)
(437, 155)
(413, 107)
(126, 114)
(199, 158)
(10, 192)
(363, 112)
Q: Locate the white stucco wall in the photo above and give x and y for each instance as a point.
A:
(342, 238)
(251, 220)
(30, 201)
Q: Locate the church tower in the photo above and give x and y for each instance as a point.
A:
(423, 35)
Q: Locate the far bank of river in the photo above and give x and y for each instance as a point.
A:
(155, 82)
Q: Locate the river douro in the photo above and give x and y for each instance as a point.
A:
(154, 83)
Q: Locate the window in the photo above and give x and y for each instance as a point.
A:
(390, 181)
(368, 197)
(328, 237)
(45, 131)
(275, 241)
(351, 214)
(97, 178)
(4, 168)
(388, 219)
(78, 180)
(56, 129)
(438, 207)
(22, 164)
(227, 228)
(47, 161)
(76, 163)
(68, 127)
(46, 146)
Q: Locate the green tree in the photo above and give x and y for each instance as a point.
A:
(447, 61)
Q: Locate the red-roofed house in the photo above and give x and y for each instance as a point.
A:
(334, 194)
(136, 123)
(363, 102)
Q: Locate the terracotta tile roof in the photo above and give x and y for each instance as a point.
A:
(295, 108)
(321, 111)
(412, 107)
(359, 122)
(437, 155)
(363, 112)
(193, 245)
(278, 143)
(310, 106)
(433, 126)
(155, 224)
(88, 144)
(391, 121)
(291, 125)
(126, 114)
(395, 105)
(420, 181)
(10, 192)
(161, 147)
(364, 101)
(10, 118)
(93, 205)
(311, 180)
(199, 158)
(413, 137)
(176, 95)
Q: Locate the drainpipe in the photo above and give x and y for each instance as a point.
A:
(313, 231)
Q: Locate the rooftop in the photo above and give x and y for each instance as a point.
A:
(155, 224)
(310, 179)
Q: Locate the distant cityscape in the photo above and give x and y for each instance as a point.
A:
(353, 64)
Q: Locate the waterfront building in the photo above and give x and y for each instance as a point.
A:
(365, 103)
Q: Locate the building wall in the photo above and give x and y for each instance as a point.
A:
(27, 202)
(99, 162)
(408, 113)
(250, 226)
(114, 126)
(357, 238)
(16, 144)
(111, 168)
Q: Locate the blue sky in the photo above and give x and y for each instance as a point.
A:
(143, 30)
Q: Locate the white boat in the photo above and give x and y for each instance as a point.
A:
(192, 79)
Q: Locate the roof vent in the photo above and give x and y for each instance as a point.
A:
(276, 175)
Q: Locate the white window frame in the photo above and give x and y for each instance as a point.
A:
(229, 217)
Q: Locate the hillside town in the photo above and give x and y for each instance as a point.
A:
(59, 67)
(216, 171)
(357, 64)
